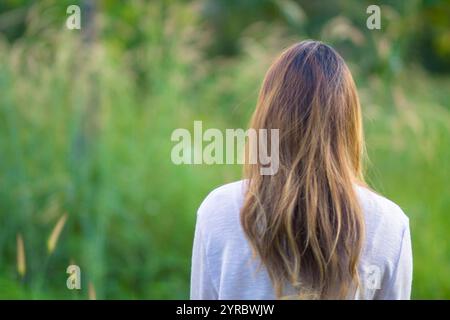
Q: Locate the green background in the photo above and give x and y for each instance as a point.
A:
(86, 117)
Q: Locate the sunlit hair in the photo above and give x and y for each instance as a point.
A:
(305, 223)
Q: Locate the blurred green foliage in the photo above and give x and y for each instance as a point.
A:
(85, 125)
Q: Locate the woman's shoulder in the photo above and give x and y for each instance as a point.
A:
(219, 211)
(381, 209)
(222, 205)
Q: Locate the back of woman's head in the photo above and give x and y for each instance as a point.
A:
(304, 222)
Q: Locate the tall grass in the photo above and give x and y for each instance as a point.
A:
(85, 130)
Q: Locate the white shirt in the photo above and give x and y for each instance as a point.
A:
(223, 267)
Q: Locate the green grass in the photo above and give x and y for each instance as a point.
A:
(86, 130)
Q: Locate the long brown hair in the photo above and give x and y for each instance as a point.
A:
(304, 222)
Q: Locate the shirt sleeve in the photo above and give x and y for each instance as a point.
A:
(399, 285)
(202, 287)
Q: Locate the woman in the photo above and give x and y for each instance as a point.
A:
(312, 230)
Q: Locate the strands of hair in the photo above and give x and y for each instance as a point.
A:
(305, 223)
